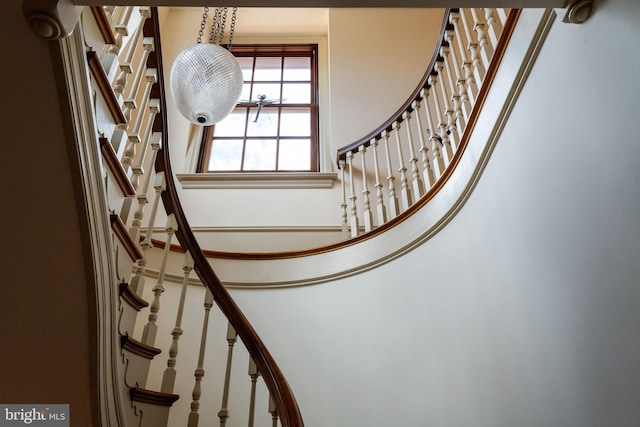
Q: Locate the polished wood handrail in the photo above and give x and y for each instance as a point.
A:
(280, 390)
(397, 116)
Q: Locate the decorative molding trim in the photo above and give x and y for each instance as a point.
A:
(578, 11)
(123, 235)
(103, 24)
(105, 88)
(153, 397)
(111, 158)
(285, 180)
(51, 19)
(138, 348)
(131, 298)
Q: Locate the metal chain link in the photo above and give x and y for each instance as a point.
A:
(203, 24)
(223, 24)
(232, 28)
(214, 25)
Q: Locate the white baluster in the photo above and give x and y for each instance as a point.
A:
(451, 129)
(224, 411)
(438, 163)
(502, 13)
(405, 191)
(454, 96)
(125, 64)
(148, 46)
(472, 46)
(427, 171)
(447, 153)
(169, 376)
(194, 416)
(137, 169)
(471, 89)
(394, 208)
(461, 83)
(479, 26)
(142, 195)
(418, 185)
(494, 26)
(366, 211)
(151, 328)
(121, 14)
(343, 205)
(253, 374)
(353, 218)
(381, 210)
(137, 282)
(134, 137)
(273, 411)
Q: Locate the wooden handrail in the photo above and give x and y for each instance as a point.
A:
(274, 379)
(397, 116)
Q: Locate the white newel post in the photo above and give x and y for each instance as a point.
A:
(151, 328)
(253, 375)
(394, 207)
(224, 411)
(169, 376)
(381, 210)
(427, 170)
(353, 218)
(418, 185)
(366, 210)
(194, 416)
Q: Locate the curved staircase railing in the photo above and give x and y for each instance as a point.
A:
(436, 121)
(126, 81)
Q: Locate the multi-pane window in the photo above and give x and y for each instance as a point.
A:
(274, 127)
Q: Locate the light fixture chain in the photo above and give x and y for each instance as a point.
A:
(203, 24)
(223, 24)
(232, 28)
(215, 26)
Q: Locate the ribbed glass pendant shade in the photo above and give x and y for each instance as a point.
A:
(206, 82)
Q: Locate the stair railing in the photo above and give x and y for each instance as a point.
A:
(410, 156)
(125, 63)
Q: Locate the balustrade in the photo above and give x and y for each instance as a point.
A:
(138, 146)
(445, 100)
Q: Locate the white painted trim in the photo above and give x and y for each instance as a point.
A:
(105, 278)
(258, 180)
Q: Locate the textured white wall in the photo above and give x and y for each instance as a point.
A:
(523, 311)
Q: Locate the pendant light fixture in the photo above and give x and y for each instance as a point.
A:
(206, 80)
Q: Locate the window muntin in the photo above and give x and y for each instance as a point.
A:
(280, 135)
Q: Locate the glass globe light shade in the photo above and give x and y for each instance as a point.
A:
(206, 82)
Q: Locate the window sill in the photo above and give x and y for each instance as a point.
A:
(258, 180)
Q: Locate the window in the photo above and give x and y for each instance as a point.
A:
(274, 127)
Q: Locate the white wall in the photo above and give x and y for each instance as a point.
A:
(523, 311)
(359, 75)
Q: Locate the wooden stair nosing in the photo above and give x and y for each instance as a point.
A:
(139, 394)
(131, 298)
(123, 235)
(139, 348)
